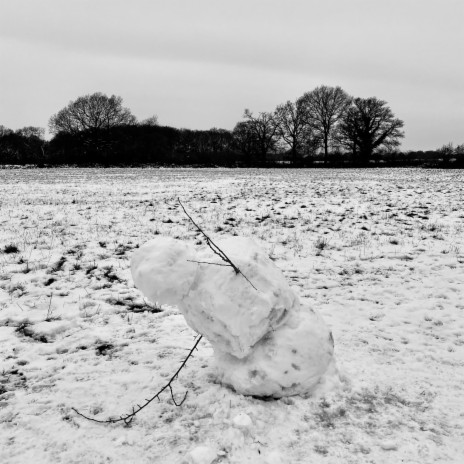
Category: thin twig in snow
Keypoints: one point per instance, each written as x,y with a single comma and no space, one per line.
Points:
216,250
128,418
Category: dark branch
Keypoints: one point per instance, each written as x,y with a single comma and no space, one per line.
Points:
206,262
128,418
216,250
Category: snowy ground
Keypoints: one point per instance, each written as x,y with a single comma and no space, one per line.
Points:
379,253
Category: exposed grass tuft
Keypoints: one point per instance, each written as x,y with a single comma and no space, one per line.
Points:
58,265
11,248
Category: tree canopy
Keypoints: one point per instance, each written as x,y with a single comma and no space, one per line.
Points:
95,111
324,127
296,132
369,124
324,108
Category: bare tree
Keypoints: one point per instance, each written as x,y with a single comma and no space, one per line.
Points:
459,153
4,131
264,132
151,121
368,125
324,107
244,138
294,129
220,140
31,131
446,152
26,145
96,111
8,151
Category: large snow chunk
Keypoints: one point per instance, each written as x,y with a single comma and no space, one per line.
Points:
162,269
289,361
263,343
230,312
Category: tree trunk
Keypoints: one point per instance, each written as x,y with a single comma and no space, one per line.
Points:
326,150
294,155
365,153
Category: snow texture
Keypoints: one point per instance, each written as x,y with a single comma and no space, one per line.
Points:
201,455
387,280
264,345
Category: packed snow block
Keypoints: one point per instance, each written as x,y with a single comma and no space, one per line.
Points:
163,271
293,360
231,312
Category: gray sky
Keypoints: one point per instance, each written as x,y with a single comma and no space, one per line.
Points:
200,63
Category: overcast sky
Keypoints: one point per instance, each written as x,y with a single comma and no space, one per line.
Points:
200,63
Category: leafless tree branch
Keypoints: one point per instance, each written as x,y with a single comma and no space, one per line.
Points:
128,418
215,249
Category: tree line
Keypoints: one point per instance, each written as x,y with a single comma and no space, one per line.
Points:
324,127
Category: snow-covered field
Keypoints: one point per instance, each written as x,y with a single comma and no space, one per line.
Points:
378,253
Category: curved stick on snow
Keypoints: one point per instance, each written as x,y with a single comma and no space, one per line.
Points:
128,418
216,250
